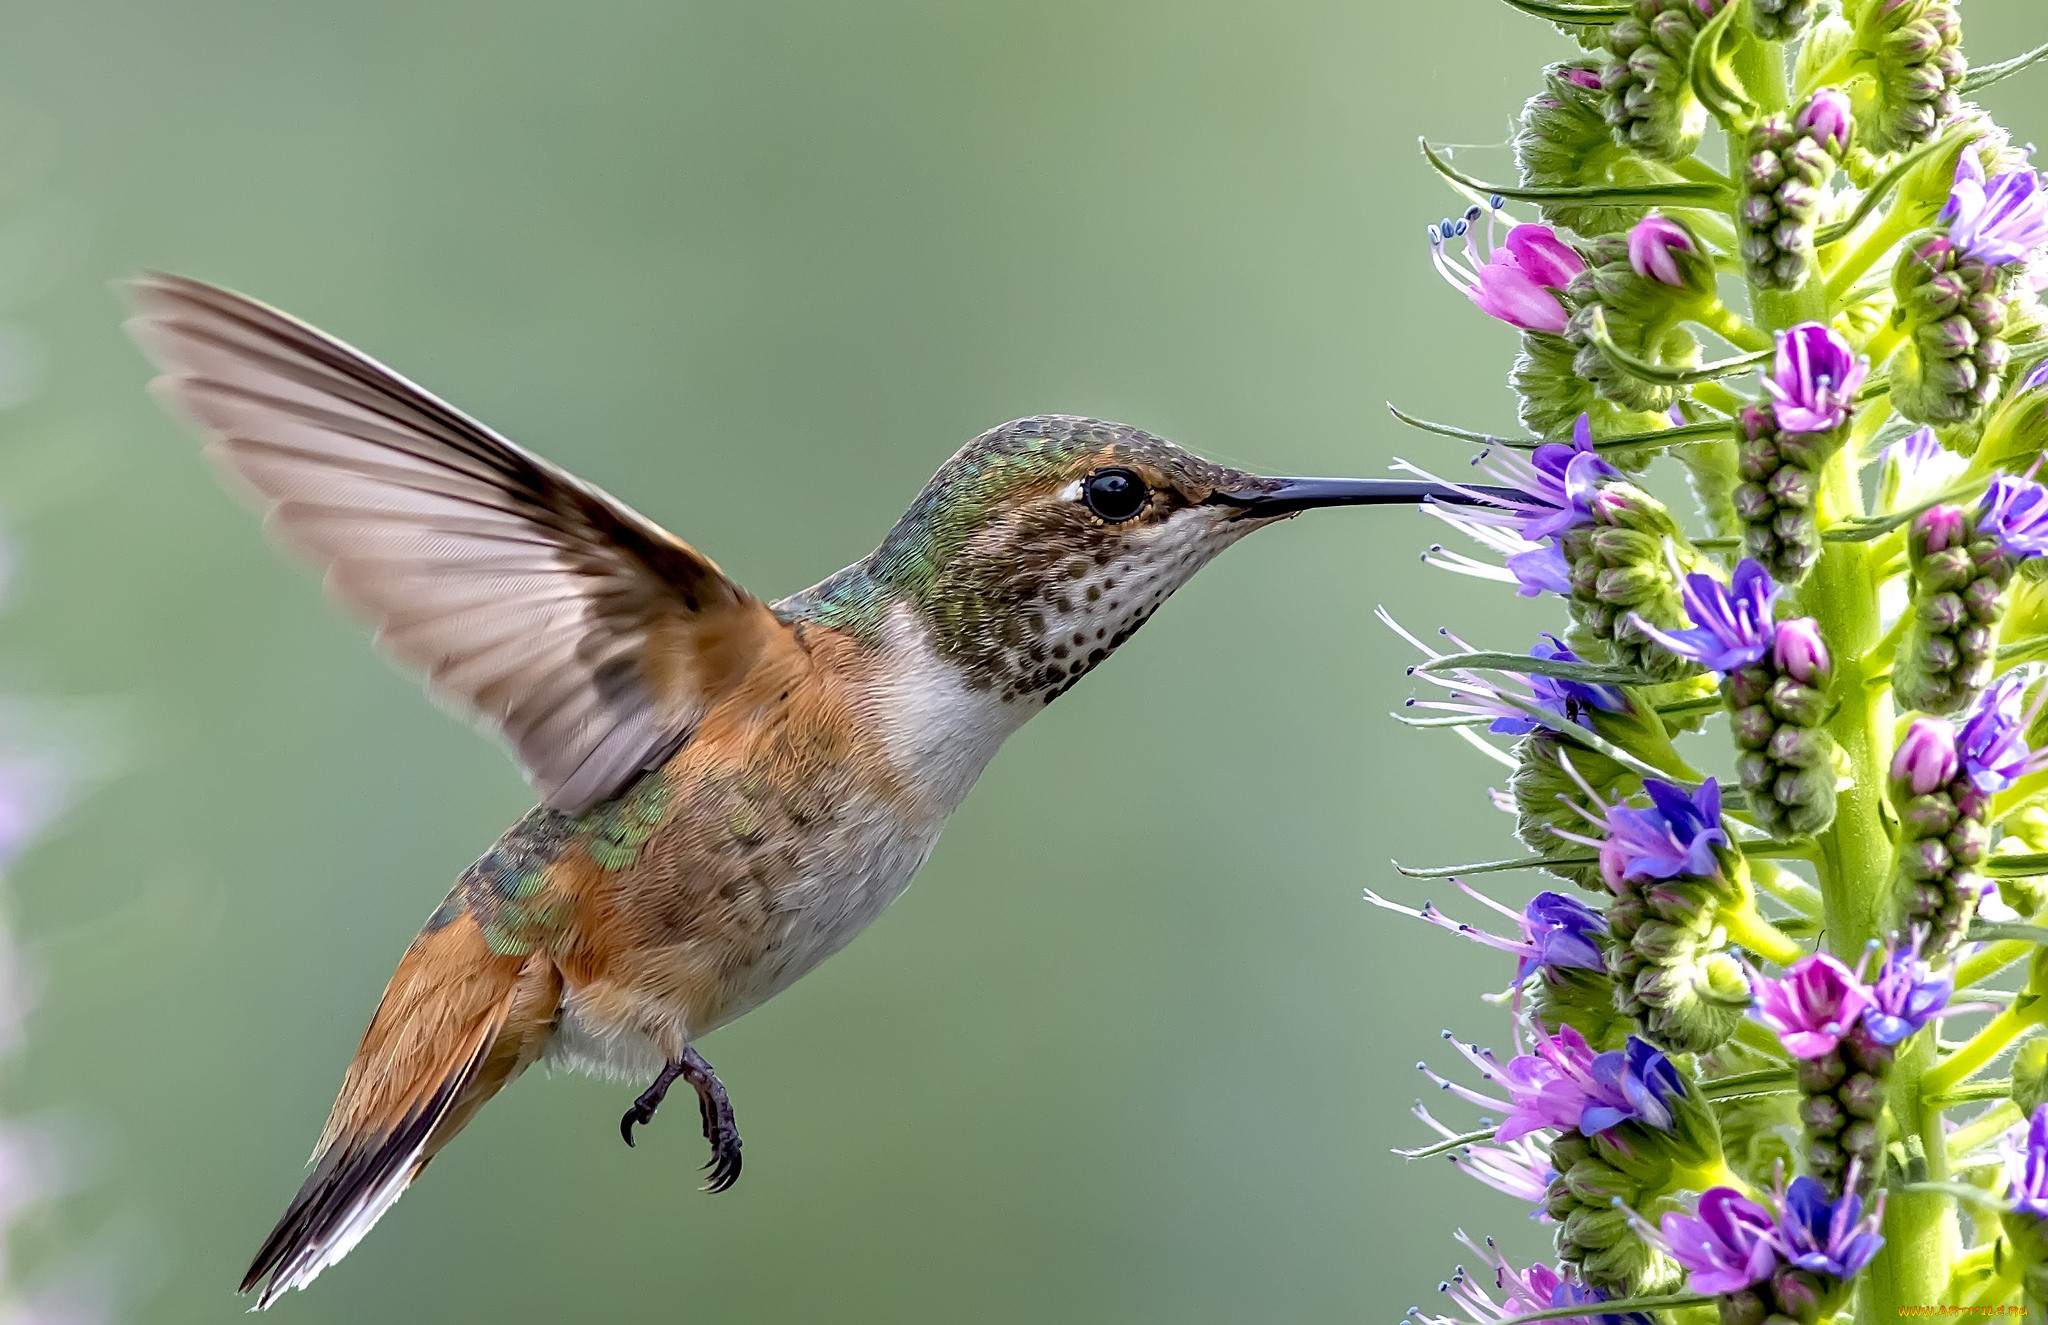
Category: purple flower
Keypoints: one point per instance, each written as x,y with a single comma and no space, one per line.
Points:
1634,1082
2036,379
1926,759
1570,700
1563,933
1537,1288
1515,282
1651,246
2026,1166
1815,378
1992,746
1813,1006
1585,78
1520,1169
1801,653
1675,836
1827,118
1906,996
1556,931
1827,1237
1556,483
2015,510
1918,468
1476,694
1549,1088
1733,623
2002,222
1727,1246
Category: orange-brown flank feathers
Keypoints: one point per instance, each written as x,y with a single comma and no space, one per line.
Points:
457,1022
591,638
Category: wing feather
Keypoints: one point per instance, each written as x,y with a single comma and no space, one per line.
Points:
529,599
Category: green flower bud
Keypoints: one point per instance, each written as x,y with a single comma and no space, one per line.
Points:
1780,473
1583,1000
1787,162
1541,790
1912,50
1954,309
1562,141
1650,104
1552,395
2030,1075
1746,1307
1659,339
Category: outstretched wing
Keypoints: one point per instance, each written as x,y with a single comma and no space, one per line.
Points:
585,633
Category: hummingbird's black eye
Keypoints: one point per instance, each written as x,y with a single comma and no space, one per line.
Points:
1114,494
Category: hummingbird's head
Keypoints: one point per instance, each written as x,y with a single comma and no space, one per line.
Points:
1043,544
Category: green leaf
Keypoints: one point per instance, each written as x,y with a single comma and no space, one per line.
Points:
1556,12
1688,432
1522,664
1713,80
1749,1082
1875,195
1494,866
1685,193
1983,931
1991,73
1596,332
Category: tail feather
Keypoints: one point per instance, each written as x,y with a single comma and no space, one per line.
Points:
456,1023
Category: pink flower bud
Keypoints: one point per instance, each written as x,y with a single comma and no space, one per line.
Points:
1585,78
1939,527
1801,653
1651,245
1548,260
1926,758
1827,118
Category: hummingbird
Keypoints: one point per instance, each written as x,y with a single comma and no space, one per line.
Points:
730,789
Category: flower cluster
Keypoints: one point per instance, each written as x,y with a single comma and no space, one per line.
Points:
1963,560
1792,1260
1942,783
1781,733
1786,441
1842,1035
1618,1125
1914,52
1787,163
1667,943
1650,104
1776,676
1957,285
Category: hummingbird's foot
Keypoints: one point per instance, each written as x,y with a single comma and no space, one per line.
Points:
650,1099
720,1129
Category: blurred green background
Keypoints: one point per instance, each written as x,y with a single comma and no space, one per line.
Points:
1133,1049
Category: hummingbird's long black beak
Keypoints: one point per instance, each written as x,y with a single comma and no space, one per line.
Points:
1275,497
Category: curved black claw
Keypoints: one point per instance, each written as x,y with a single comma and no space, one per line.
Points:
650,1099
720,1129
723,1168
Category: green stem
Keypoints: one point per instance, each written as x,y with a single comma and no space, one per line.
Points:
1759,935
1980,1049
1732,327
1921,1235
1786,886
1979,1130
1991,961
